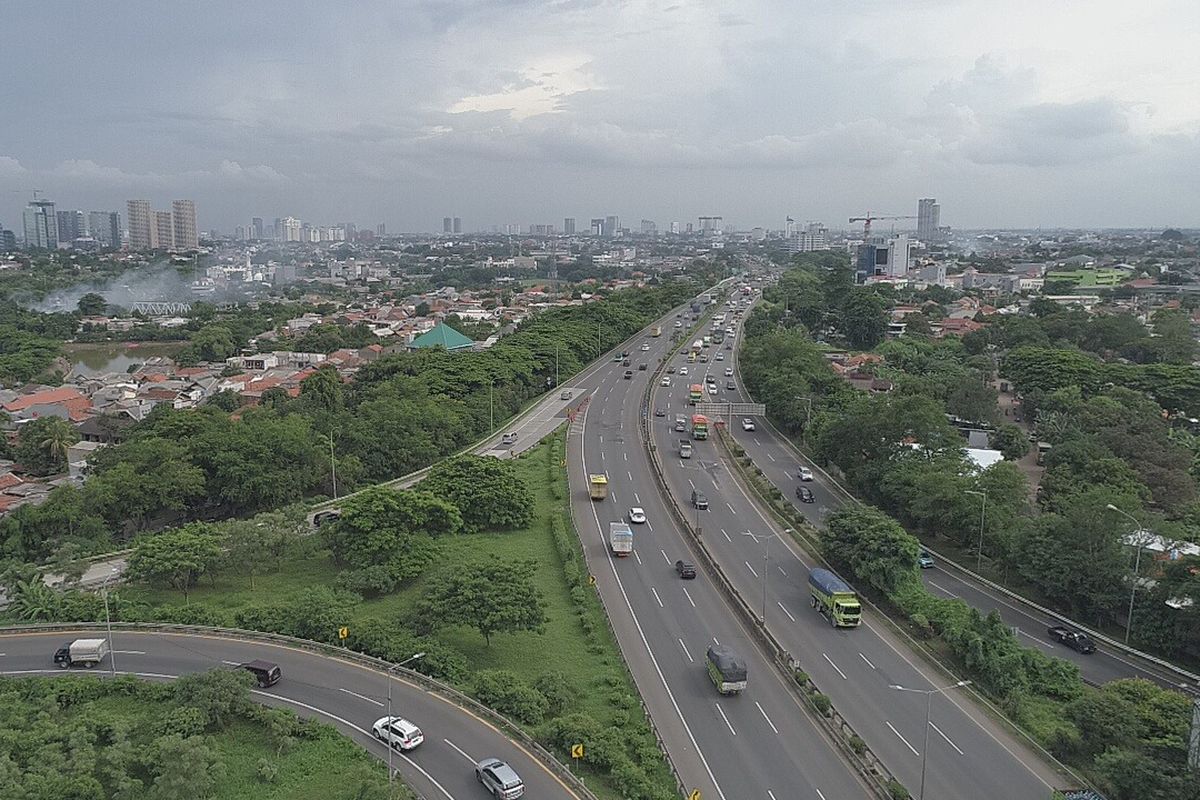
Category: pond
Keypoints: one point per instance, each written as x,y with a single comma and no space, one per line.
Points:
98,359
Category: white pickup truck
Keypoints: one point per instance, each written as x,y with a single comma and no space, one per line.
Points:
81,653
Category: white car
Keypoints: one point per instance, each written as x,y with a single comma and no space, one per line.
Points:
804,474
712,388
747,424
683,371
645,347
729,372
398,732
665,381
719,357
637,515
678,324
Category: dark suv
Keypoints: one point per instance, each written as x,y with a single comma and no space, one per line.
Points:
699,500
266,673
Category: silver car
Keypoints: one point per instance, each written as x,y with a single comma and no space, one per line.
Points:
500,779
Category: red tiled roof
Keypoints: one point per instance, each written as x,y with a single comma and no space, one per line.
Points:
8,480
63,394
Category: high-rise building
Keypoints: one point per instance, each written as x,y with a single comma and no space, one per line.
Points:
675,227
72,225
289,229
712,225
598,226
611,225
928,218
183,221
813,237
8,240
105,227
141,224
447,225
381,229
458,224
256,228
163,235
569,226
41,225
649,227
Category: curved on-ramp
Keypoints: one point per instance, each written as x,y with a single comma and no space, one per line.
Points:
346,689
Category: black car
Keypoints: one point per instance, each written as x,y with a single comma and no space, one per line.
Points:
699,500
642,367
658,412
628,374
685,570
804,494
1076,640
625,362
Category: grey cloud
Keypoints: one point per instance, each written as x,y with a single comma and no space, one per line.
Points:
1050,134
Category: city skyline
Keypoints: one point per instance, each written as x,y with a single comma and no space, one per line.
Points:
659,113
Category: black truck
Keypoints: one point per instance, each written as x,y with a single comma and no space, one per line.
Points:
1076,640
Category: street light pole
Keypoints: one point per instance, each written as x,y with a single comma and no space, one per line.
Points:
808,411
413,657
929,693
112,658
332,465
982,512
491,407
1137,563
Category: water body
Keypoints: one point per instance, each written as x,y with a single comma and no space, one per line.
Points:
99,359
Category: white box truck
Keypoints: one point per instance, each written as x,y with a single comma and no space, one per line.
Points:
620,539
81,653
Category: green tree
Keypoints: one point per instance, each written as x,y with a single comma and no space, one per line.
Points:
177,558
219,694
495,597
1011,441
43,444
214,342
92,305
184,769
864,318
872,545
489,492
34,601
1173,337
323,389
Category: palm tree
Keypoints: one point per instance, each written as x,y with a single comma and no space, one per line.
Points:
34,601
57,440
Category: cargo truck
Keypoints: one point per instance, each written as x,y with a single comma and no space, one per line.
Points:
620,539
598,486
656,331
699,426
726,669
833,597
685,448
81,653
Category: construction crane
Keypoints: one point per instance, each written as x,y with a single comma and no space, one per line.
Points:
869,218
36,192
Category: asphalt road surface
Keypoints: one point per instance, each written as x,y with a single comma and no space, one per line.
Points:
967,754
343,693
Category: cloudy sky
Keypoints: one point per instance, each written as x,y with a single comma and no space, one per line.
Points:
1015,113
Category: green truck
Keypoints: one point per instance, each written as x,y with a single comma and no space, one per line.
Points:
726,669
833,597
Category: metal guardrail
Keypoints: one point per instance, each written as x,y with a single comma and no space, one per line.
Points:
432,685
873,771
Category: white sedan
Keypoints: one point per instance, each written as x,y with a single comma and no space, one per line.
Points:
637,515
804,474
683,371
729,372
747,424
666,381
399,732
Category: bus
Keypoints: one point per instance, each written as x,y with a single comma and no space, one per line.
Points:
695,393
699,426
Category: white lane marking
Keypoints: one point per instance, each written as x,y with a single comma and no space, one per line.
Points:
942,589
685,651
726,535
731,509
770,794
718,644
630,474
635,555
350,724
689,596
864,658
835,666
461,752
649,527
747,563
613,495
768,719
102,672
693,485
361,696
131,652
784,610
626,456
818,791
656,597
947,738
664,552
231,663
770,456
601,455
784,571
910,747
722,713
637,499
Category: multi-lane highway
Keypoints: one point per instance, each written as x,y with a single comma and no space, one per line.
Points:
340,692
856,667
779,460
760,744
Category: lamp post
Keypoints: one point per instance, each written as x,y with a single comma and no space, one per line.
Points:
491,407
332,465
766,539
1137,563
808,411
929,693
413,657
112,658
982,511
